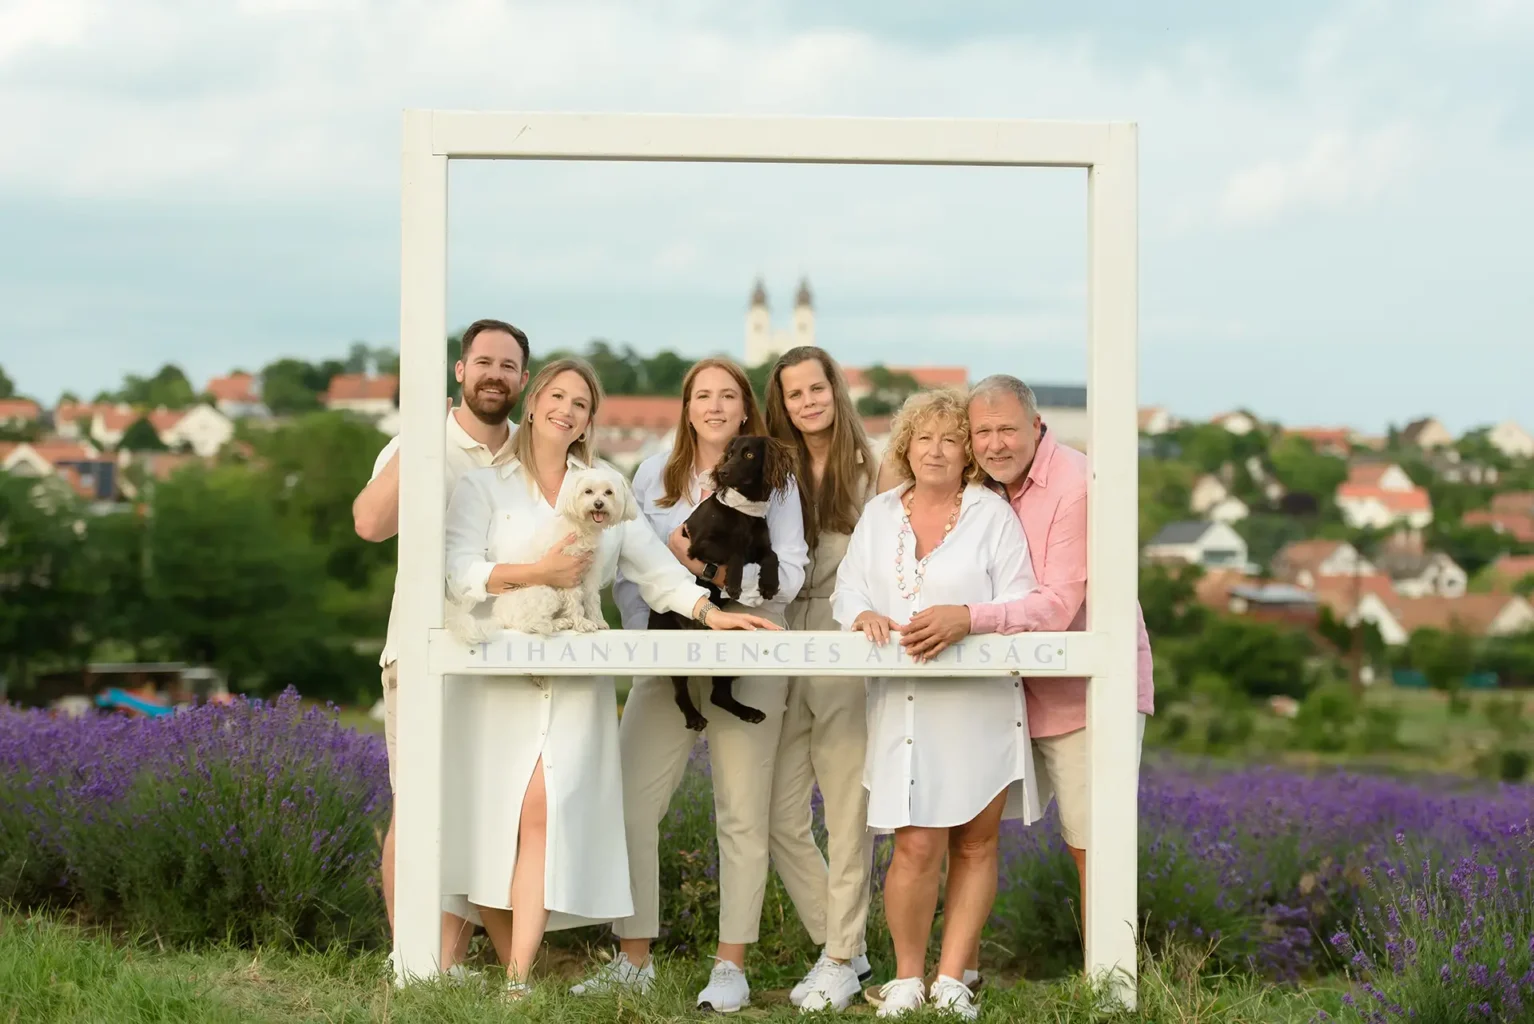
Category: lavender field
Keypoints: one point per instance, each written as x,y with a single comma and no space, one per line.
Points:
258,824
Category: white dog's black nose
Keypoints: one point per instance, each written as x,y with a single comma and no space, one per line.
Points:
597,504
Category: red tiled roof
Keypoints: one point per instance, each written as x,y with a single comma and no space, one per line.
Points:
1512,568
68,412
1339,592
1306,554
877,426
656,412
1368,474
1318,436
116,419
1473,613
19,409
164,419
925,376
237,387
1213,588
1519,527
1414,500
355,386
76,482
1517,502
55,450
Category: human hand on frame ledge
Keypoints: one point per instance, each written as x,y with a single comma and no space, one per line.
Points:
933,630
875,626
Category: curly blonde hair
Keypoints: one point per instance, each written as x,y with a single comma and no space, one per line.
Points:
949,404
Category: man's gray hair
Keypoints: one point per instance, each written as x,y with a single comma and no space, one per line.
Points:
1005,384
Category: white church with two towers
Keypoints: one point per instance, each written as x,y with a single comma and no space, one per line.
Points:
763,342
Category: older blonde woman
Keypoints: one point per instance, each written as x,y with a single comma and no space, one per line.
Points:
947,758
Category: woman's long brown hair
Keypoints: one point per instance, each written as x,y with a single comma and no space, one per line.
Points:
835,502
684,451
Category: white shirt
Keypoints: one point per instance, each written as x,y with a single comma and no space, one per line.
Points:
463,454
785,526
486,501
940,749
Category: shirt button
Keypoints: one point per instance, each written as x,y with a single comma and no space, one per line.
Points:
1019,725
911,697
545,695
908,739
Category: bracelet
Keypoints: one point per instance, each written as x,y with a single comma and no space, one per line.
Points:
704,612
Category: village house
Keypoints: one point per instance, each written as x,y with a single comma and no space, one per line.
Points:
1238,422
19,412
1452,468
1336,441
237,395
1510,514
1212,500
1378,495
1156,420
1509,570
1303,562
1414,572
79,464
373,397
1511,440
1212,545
1427,433
1479,615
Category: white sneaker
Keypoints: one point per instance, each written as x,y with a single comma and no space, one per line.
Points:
950,996
858,963
617,975
972,980
727,989
835,986
901,996
460,974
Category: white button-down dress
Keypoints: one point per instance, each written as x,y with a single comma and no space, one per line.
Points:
941,748
509,722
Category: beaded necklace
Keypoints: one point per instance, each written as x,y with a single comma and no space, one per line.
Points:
919,572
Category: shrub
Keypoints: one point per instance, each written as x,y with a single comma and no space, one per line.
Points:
253,822
1452,944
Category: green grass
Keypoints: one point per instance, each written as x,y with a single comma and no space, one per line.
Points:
52,972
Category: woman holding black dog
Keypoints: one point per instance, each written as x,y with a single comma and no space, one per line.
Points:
825,730
717,407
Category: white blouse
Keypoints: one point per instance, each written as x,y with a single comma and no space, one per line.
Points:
504,725
785,525
500,498
940,749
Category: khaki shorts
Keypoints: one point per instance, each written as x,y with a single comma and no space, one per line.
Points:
1063,762
391,712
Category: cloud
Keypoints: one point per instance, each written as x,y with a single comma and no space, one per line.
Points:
219,182
1336,169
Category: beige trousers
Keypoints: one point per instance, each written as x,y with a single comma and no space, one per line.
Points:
825,734
654,742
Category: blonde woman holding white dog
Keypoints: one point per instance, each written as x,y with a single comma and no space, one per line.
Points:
825,729
717,407
545,843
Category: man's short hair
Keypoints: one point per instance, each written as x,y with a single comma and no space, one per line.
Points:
479,327
1006,384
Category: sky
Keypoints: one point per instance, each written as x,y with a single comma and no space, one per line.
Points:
1334,200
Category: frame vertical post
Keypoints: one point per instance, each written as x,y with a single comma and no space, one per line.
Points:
423,437
1113,567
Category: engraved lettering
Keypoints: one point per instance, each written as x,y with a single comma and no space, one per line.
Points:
598,650
809,652
632,649
836,651
535,651
985,654
694,652
1044,654
568,654
1012,654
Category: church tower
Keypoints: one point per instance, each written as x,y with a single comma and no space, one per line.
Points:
759,346
804,315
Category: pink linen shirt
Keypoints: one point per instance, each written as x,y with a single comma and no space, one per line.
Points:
1052,506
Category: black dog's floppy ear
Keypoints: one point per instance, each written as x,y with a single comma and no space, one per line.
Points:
779,464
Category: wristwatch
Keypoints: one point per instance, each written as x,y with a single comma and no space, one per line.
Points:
710,570
704,612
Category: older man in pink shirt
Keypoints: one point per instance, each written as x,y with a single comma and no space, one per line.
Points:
1046,482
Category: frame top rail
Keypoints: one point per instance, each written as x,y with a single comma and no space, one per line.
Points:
805,140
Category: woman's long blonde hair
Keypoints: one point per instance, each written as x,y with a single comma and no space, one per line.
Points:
836,502
584,447
684,452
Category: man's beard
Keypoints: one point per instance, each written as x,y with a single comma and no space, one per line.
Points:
491,408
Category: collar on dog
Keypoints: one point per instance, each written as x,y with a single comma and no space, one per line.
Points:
733,498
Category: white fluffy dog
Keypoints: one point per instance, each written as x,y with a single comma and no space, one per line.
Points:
590,501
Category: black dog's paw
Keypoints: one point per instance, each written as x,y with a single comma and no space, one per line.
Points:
695,721
751,715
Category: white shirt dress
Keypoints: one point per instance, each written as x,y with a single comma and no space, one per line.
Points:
510,721
941,748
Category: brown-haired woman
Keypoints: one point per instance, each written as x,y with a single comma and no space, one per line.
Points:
825,731
717,407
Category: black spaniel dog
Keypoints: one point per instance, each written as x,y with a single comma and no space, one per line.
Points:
729,529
